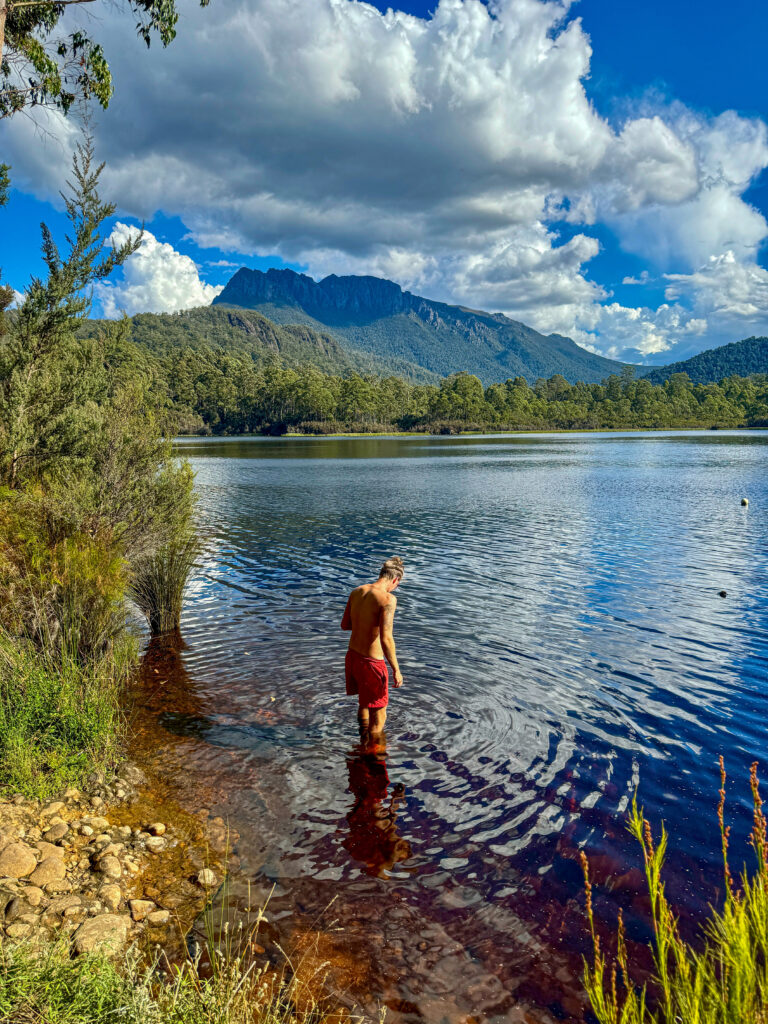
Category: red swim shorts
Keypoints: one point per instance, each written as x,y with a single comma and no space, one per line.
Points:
368,679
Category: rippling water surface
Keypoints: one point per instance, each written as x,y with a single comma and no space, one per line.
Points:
562,641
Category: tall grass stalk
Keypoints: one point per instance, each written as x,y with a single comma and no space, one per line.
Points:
721,980
158,582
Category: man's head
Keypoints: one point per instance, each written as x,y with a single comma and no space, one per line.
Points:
392,572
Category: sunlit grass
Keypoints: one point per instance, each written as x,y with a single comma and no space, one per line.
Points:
722,979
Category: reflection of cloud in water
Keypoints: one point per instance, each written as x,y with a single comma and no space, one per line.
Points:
559,631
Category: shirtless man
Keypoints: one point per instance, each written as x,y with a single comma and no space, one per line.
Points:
369,615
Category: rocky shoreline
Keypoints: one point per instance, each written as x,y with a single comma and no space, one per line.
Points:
107,867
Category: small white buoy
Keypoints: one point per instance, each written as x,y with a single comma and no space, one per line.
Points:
745,502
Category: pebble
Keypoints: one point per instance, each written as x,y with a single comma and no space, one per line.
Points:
157,828
86,830
55,808
34,896
140,909
158,917
72,794
57,832
207,878
97,823
49,850
155,844
125,832
111,896
20,930
110,867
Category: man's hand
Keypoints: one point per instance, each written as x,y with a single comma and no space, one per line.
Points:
398,679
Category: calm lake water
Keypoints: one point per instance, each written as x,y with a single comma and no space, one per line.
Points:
562,641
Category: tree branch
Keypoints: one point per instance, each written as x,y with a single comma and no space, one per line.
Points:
46,3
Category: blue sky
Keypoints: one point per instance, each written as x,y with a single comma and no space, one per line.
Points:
650,252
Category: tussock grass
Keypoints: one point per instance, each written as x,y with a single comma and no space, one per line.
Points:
59,718
159,580
45,985
724,978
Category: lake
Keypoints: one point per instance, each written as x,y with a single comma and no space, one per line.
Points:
563,643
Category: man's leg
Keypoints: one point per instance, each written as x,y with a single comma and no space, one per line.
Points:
378,717
363,719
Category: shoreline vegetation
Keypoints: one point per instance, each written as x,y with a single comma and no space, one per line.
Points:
97,521
207,392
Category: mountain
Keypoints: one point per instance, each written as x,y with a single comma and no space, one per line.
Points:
375,316
741,358
250,333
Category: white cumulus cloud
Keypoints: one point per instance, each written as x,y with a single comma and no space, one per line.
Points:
156,279
442,152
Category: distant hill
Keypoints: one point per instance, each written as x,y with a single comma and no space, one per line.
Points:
250,333
740,358
374,316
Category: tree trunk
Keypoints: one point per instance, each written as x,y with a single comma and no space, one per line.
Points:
3,12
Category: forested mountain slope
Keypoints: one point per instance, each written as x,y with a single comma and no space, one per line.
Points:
740,358
240,332
375,316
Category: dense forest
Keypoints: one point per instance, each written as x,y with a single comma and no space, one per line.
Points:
741,358
209,390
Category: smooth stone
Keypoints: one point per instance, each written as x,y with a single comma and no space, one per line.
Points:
140,909
158,917
97,823
157,828
17,861
111,896
72,794
16,909
104,931
124,831
33,895
49,871
48,850
75,914
110,867
56,832
207,878
155,844
20,930
63,886
86,830
111,850
55,808
62,903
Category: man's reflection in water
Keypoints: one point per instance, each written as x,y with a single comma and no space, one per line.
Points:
373,838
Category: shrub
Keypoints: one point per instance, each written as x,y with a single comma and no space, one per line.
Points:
158,582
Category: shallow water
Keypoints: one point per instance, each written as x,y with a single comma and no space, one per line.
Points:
562,641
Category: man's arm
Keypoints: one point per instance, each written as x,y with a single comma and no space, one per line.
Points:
388,640
346,619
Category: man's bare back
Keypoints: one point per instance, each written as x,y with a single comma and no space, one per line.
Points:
369,615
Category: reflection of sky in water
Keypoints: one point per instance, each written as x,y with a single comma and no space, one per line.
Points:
559,629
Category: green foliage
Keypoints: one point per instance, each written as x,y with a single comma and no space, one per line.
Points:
5,184
59,719
740,358
723,980
88,492
37,66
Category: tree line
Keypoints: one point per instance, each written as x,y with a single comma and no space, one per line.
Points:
211,391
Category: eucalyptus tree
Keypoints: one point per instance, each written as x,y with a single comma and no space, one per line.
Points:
39,64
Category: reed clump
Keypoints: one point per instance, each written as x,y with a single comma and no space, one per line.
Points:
721,980
159,580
